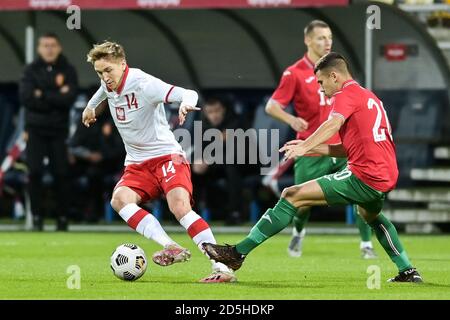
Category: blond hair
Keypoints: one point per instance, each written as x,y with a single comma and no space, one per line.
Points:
106,50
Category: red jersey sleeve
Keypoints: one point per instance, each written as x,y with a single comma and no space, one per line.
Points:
286,88
342,106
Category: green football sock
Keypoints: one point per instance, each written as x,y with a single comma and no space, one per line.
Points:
365,231
388,237
272,222
301,219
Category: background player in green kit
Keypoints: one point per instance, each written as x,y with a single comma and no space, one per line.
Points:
359,117
298,85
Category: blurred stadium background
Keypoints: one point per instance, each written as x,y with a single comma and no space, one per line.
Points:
238,50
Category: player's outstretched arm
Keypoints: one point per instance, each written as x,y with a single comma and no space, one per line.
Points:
322,149
98,101
188,101
88,116
157,91
90,113
322,134
184,110
275,110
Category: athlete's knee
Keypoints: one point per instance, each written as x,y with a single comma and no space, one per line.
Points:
298,196
291,193
370,217
117,203
366,215
120,199
179,206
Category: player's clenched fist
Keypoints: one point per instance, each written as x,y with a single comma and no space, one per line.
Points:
88,117
184,111
298,124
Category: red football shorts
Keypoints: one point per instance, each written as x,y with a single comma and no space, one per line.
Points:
157,176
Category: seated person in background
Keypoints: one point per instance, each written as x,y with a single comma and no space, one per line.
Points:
97,154
218,114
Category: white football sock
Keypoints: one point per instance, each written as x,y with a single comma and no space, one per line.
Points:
145,224
365,244
199,230
300,234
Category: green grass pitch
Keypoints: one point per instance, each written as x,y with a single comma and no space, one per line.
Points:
34,266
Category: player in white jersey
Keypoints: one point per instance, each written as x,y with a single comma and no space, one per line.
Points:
155,163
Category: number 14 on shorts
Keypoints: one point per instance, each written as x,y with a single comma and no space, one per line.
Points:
168,167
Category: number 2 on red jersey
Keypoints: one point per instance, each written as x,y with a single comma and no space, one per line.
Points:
379,134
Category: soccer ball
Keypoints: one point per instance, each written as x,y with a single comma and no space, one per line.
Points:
128,262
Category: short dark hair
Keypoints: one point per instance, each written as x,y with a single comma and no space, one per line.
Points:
315,24
50,35
332,60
